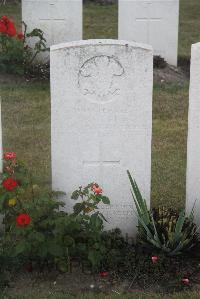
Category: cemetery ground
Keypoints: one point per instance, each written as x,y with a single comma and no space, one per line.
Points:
26,130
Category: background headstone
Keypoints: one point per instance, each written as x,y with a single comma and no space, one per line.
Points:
154,22
101,107
193,149
61,20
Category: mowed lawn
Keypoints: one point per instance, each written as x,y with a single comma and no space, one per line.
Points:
186,295
26,109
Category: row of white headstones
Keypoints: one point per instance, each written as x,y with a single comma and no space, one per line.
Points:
101,123
154,22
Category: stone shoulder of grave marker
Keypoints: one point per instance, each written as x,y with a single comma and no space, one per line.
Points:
91,42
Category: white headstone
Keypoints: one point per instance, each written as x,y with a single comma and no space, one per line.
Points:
101,101
193,148
154,22
60,20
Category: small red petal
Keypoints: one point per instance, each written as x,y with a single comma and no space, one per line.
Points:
104,274
154,259
185,281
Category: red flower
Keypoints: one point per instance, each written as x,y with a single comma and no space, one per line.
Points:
11,31
96,189
104,274
154,259
20,35
9,155
7,26
3,28
23,219
9,184
185,281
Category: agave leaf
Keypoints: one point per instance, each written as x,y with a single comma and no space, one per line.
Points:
136,191
149,233
177,249
153,242
179,226
141,203
137,205
191,216
150,237
156,237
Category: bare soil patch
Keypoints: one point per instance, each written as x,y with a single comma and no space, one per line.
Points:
171,75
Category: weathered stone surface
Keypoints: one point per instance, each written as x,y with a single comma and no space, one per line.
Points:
101,107
154,22
193,149
61,20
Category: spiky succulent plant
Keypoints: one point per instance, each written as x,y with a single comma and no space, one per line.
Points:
163,228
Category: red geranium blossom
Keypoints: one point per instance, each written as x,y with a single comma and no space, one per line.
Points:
9,184
96,189
7,26
20,35
9,155
185,281
23,219
104,274
3,28
154,259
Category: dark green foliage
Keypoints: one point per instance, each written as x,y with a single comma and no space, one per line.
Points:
17,57
119,255
53,236
159,62
89,239
163,229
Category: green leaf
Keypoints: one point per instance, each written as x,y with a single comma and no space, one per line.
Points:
75,195
19,248
78,208
94,257
55,249
140,203
105,200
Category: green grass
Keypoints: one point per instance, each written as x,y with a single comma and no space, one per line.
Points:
100,21
170,108
186,295
189,31
26,125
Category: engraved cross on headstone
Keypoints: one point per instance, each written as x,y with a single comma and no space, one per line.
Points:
102,164
149,20
50,12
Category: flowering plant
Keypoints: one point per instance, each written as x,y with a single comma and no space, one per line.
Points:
90,196
90,239
37,231
30,214
16,56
